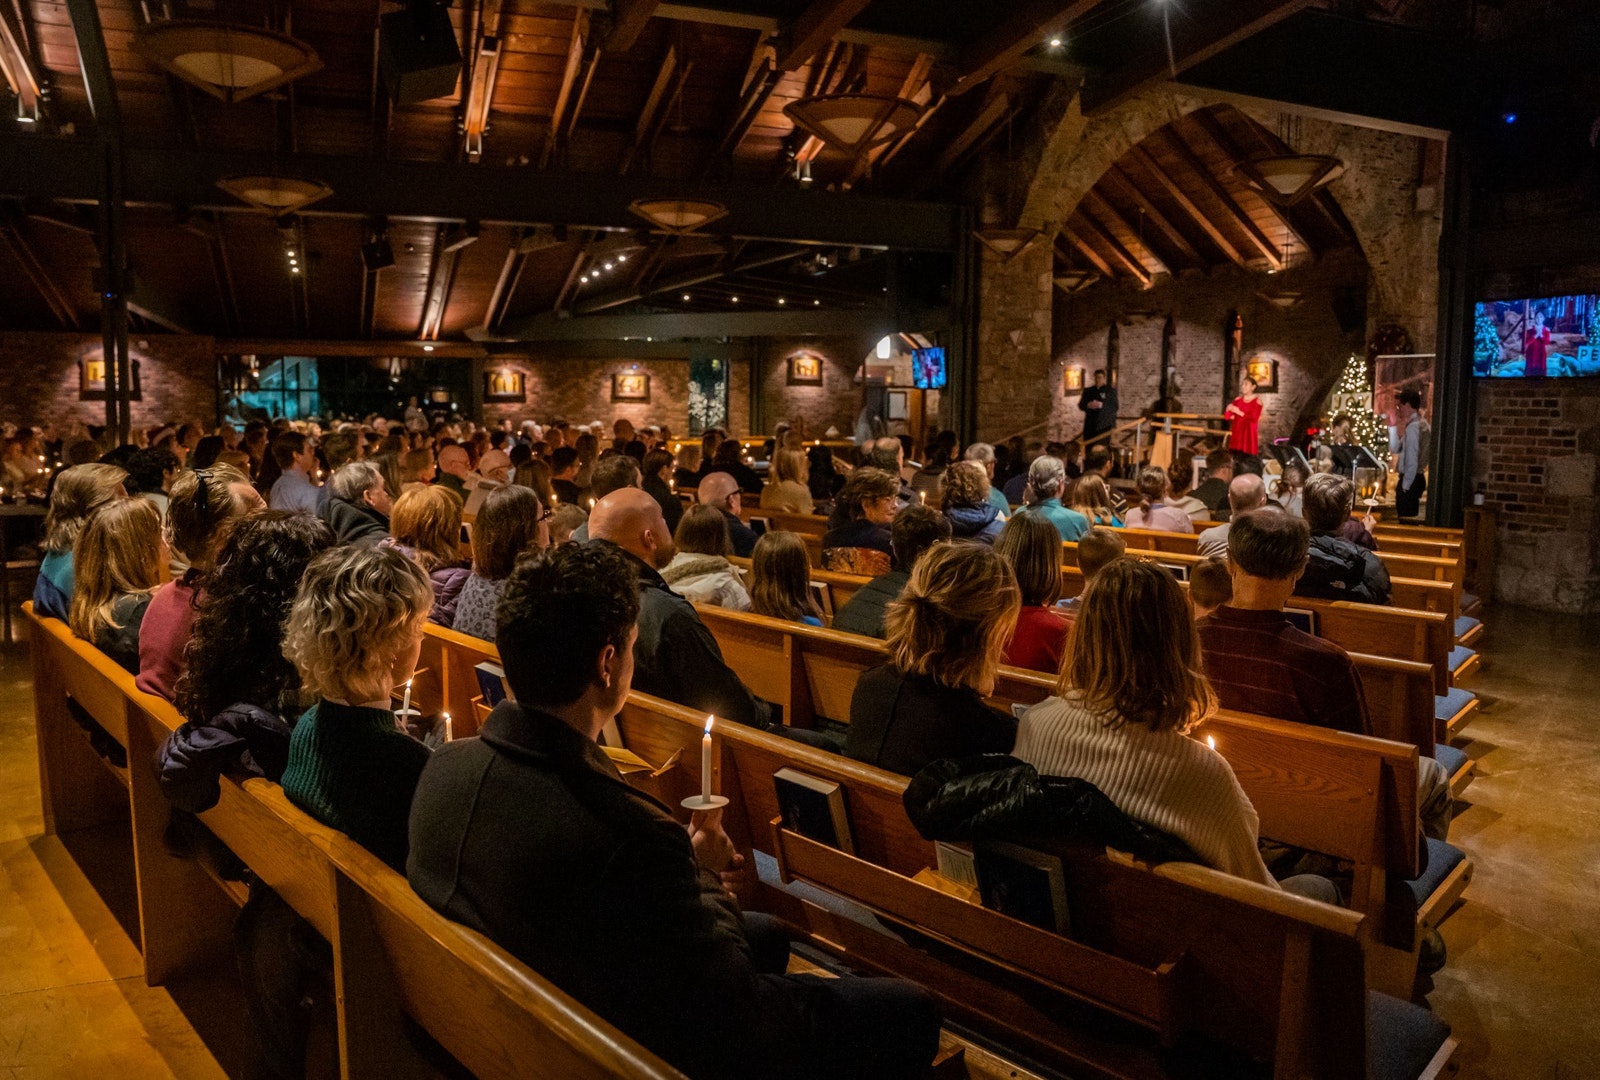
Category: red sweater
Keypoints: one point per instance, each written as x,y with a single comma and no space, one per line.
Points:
1258,662
1040,639
163,637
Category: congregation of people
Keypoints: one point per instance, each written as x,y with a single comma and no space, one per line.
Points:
275,581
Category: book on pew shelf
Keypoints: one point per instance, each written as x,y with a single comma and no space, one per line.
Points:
1302,619
954,861
492,683
814,808
1024,884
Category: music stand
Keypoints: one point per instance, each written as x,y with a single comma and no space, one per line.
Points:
1285,452
1352,456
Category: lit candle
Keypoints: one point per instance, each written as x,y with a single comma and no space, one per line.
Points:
591,502
554,498
923,495
405,702
449,728
1211,741
705,763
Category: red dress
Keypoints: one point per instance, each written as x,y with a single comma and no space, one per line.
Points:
1242,434
1534,344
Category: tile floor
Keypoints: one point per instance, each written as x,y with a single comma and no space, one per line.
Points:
1522,987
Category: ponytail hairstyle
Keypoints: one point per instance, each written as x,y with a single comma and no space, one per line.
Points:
780,584
1047,478
200,503
955,616
117,553
1153,487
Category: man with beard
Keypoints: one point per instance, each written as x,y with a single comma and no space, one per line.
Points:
675,656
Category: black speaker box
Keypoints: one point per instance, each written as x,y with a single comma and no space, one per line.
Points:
418,54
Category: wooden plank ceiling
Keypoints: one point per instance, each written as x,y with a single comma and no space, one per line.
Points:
610,89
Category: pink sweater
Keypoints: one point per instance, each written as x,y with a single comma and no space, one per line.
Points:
163,637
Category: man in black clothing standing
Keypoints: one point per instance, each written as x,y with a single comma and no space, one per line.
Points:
529,835
1099,406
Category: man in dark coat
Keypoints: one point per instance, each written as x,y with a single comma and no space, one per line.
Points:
529,835
676,657
1098,404
721,490
358,508
1339,569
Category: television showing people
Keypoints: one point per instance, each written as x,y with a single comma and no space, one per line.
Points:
1548,337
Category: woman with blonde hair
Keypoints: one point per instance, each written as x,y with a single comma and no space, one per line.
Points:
788,483
118,566
78,492
1155,509
1130,689
354,633
426,525
700,571
1092,498
1033,548
964,500
780,579
946,635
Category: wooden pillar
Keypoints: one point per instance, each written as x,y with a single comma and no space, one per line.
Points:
1451,412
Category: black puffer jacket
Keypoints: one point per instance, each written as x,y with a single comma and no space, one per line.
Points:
997,797
1341,570
192,760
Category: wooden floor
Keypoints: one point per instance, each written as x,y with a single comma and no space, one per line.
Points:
1521,987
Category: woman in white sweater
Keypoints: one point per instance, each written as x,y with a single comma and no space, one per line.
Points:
1130,688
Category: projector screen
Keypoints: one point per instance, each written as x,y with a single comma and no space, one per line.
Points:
1549,337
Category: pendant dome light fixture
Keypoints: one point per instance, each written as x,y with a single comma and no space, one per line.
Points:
276,195
854,123
229,61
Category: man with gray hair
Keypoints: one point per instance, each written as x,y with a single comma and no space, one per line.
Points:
358,504
1246,492
981,453
889,454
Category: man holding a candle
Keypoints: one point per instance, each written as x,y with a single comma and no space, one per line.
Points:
531,836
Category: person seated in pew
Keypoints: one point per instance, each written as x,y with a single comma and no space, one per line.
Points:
964,500
1246,492
78,492
946,634
117,563
720,491
354,633
426,527
1338,569
982,454
700,571
1214,490
780,580
1155,509
788,487
530,836
889,454
565,523
657,483
1258,662
511,522
1047,484
1210,586
914,531
675,656
1181,476
200,509
729,460
1091,498
610,474
1129,690
687,469
857,540
1097,550
1033,548
358,505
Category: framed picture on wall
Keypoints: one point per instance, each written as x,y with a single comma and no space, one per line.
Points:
504,384
1072,379
1264,370
805,369
439,395
899,405
92,377
630,386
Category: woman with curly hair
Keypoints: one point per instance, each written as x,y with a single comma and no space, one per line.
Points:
857,540
964,500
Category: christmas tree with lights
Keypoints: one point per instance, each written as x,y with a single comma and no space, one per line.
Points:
1353,397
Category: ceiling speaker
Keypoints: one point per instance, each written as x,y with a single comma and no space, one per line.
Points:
418,53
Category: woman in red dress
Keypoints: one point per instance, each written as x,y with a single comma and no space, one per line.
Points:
1245,412
1535,342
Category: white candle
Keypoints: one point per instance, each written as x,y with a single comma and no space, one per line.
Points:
1211,741
405,703
591,504
924,496
449,728
705,763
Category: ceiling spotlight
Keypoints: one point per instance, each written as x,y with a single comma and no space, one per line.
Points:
816,303
685,298
781,300
291,253
622,258
1055,43
608,266
427,348
735,299
294,269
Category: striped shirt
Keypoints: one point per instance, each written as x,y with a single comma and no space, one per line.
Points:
1162,778
1258,662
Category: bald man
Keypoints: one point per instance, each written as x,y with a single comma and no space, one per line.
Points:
721,490
675,657
454,466
1246,492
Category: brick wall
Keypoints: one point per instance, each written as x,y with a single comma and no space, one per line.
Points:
1536,449
39,379
835,402
579,390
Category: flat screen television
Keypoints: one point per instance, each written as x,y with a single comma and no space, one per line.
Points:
927,368
1547,337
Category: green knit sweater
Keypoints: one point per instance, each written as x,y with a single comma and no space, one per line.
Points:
352,770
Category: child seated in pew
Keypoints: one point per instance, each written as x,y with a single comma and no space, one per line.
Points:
1130,689
530,836
915,530
117,564
700,571
1092,498
1339,569
1156,509
1031,545
1210,586
1098,549
354,633
78,492
780,579
946,634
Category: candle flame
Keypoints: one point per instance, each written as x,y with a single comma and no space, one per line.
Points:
1211,741
709,721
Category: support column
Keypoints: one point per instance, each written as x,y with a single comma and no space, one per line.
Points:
961,344
1451,413
1016,389
112,283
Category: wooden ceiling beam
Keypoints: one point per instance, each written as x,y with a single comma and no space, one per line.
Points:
1010,41
689,280
1142,155
915,87
652,104
1081,246
95,64
569,79
17,62
724,324
628,20
1119,252
1175,140
222,274
813,29
1099,212
751,102
1191,42
37,274
1154,216
1217,134
992,113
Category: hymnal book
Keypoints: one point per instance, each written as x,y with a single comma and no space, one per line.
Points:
1024,884
1302,619
1178,570
814,808
492,683
955,862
